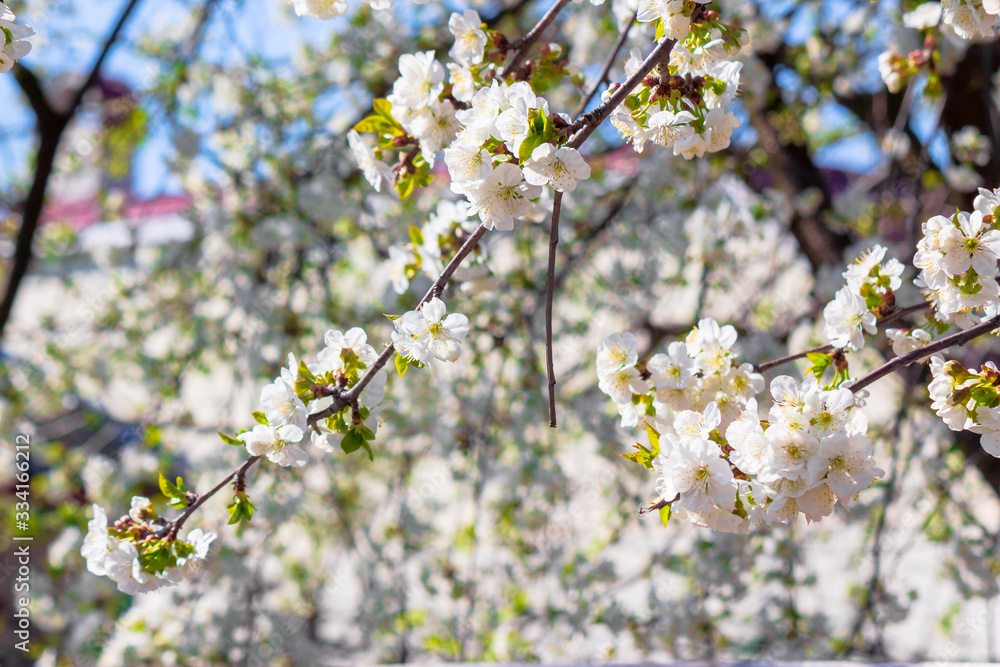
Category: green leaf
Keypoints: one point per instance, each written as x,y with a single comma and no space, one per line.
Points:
241,509
352,442
402,364
376,124
643,456
665,514
305,373
259,417
405,186
416,237
368,448
168,489
654,439
659,35
528,146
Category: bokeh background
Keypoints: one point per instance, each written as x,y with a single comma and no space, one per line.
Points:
203,217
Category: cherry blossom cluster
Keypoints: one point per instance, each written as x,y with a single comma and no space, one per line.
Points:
137,553
869,293
140,551
717,463
700,370
957,258
968,400
686,104
500,142
13,47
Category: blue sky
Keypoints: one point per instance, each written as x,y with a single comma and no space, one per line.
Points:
68,41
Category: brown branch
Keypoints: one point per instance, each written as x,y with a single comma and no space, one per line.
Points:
550,277
525,43
50,130
586,124
768,365
619,43
351,396
888,319
960,338
240,473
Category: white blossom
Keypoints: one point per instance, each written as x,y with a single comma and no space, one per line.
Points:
277,444
561,168
430,332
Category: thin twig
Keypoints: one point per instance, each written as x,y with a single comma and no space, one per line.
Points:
351,396
588,122
768,365
888,319
524,45
51,125
619,43
174,526
960,338
549,289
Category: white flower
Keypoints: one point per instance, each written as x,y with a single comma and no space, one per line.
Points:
616,353
201,541
320,9
971,244
845,463
420,83
98,542
967,18
671,370
13,48
141,506
696,470
789,451
463,83
560,168
926,15
354,342
281,404
987,201
470,40
719,126
988,425
889,70
469,165
846,316
277,444
400,261
501,197
375,171
746,437
710,344
666,127
430,332
904,342
691,425
435,128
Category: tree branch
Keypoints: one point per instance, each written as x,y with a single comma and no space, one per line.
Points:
619,43
513,66
50,130
550,280
174,526
586,124
960,338
888,319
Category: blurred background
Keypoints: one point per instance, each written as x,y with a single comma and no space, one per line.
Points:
195,214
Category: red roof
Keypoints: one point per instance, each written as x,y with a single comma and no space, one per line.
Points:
84,212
